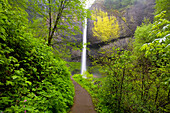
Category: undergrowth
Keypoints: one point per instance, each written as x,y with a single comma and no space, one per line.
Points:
32,78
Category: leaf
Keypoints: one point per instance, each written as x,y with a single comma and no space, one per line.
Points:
35,69
144,47
28,82
18,72
1,83
16,65
9,83
14,77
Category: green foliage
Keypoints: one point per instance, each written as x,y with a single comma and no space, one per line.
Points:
142,36
157,52
75,67
32,78
128,86
39,28
112,91
163,5
82,81
137,81
154,61
62,16
53,18
105,27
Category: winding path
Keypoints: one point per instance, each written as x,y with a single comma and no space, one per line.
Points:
82,100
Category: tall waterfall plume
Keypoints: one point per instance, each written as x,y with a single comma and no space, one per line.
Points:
83,65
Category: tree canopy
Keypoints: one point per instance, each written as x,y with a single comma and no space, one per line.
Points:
105,27
60,16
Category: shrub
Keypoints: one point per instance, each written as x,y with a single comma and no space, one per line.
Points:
32,78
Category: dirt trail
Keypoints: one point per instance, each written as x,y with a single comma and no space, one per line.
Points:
82,100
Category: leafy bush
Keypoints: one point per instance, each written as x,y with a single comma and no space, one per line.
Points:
84,82
75,67
32,78
157,52
127,86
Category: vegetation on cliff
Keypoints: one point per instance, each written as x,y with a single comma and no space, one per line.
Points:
105,27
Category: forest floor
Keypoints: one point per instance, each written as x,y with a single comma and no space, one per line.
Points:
82,100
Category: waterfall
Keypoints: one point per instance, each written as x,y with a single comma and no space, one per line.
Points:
83,58
83,65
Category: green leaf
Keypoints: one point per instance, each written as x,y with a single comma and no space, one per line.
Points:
9,83
18,72
1,83
35,69
14,77
28,82
16,65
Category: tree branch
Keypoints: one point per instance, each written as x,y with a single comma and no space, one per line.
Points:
56,22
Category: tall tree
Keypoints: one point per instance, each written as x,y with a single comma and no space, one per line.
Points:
59,15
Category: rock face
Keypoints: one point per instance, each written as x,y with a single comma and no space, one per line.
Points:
134,15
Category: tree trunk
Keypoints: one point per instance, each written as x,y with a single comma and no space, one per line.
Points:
169,95
121,88
156,97
49,1
62,6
